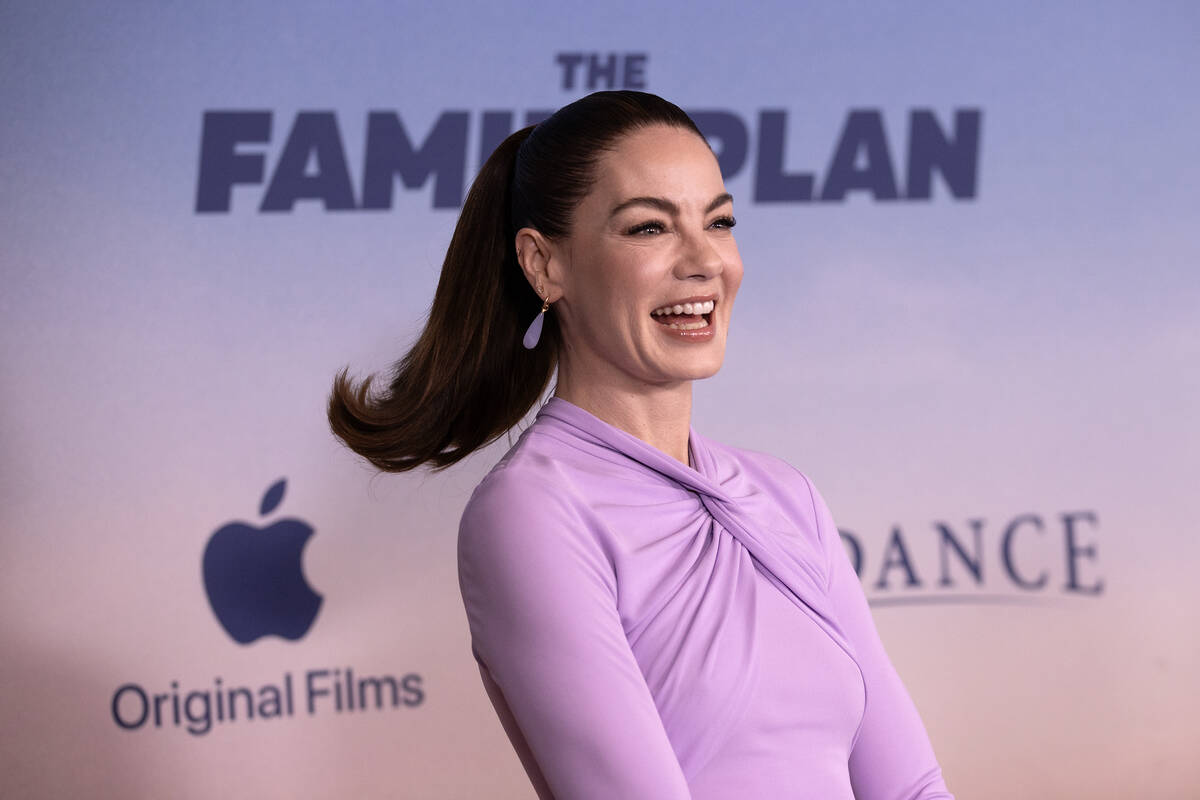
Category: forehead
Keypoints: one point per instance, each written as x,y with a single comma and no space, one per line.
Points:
662,161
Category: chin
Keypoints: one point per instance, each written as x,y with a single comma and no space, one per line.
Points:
699,372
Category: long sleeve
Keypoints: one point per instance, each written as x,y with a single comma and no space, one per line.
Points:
892,757
540,596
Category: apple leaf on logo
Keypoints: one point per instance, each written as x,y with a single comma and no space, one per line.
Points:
273,497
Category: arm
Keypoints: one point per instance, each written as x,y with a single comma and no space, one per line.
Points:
540,596
892,758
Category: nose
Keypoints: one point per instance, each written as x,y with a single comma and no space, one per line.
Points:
699,258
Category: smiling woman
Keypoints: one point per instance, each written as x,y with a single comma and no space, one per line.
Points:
650,242
654,614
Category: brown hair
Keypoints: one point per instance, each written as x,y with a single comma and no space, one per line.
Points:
468,379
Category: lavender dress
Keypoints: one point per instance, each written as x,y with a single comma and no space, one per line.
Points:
649,630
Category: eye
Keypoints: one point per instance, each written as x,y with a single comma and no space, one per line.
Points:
650,227
724,222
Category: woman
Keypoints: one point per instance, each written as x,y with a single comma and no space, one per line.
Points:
654,614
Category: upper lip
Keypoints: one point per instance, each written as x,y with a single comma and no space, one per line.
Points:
698,298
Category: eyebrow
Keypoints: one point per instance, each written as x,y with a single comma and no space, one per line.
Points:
665,205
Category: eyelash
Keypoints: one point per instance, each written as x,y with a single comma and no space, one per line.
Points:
725,222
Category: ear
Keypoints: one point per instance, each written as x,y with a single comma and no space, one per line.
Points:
539,260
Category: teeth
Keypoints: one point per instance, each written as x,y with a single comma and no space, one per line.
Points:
688,326
686,308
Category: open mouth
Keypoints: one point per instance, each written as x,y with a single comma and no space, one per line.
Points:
687,316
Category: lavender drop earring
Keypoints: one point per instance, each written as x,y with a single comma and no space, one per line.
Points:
533,334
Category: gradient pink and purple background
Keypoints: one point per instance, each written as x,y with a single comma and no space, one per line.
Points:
1033,350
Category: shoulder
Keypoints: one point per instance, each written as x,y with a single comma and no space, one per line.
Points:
528,502
527,478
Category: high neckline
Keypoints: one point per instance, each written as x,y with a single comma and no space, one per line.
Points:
699,472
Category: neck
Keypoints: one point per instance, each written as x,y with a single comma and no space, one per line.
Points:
660,416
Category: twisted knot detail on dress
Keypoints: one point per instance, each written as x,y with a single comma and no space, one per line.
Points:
649,629
735,507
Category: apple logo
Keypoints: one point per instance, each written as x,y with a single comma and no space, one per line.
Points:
254,579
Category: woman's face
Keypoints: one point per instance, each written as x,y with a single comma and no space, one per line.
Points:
653,238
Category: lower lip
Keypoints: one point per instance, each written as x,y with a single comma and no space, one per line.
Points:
695,335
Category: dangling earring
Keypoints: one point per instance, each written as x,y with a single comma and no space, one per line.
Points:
534,333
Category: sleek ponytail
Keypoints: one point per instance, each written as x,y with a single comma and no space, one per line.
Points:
468,379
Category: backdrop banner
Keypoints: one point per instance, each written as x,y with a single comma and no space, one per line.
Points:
970,313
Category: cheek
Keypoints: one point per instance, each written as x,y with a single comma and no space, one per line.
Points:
627,284
608,313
